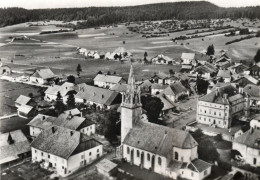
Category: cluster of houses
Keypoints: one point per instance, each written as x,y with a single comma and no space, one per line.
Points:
118,54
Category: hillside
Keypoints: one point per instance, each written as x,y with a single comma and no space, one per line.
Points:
96,16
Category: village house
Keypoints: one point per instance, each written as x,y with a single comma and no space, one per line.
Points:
206,71
167,104
64,150
42,76
223,62
175,92
142,149
245,80
64,89
162,59
106,167
188,58
254,70
225,75
158,88
252,98
99,97
121,88
42,122
159,78
13,146
238,68
219,107
74,112
107,81
248,144
26,107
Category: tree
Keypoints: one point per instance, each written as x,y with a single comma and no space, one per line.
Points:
111,129
71,79
71,101
257,56
210,50
30,95
145,55
171,72
59,105
202,85
153,105
79,69
99,72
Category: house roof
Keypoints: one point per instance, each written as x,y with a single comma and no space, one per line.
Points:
25,108
63,89
159,86
64,120
199,165
10,151
162,57
188,56
106,165
43,73
224,57
224,73
22,100
96,94
119,50
251,138
62,142
166,103
166,138
160,75
108,78
252,90
175,89
73,112
186,66
119,88
217,96
204,69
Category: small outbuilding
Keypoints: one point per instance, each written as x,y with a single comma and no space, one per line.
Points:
106,167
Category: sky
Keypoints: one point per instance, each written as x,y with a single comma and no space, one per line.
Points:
39,4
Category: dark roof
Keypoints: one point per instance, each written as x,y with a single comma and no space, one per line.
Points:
217,96
252,90
251,138
207,68
159,86
20,145
62,142
96,94
175,89
141,137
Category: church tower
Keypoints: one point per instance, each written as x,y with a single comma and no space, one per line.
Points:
131,107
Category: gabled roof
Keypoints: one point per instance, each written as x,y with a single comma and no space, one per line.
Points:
108,78
43,73
199,165
205,69
175,89
160,75
10,151
224,57
252,90
224,73
119,88
25,108
62,142
166,138
162,57
73,112
63,89
159,86
188,56
64,120
251,138
22,100
96,94
217,96
166,103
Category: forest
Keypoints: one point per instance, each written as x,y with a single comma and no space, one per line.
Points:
96,16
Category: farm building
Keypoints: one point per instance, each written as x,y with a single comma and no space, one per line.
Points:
65,150
223,62
99,97
158,88
121,88
106,167
160,78
26,107
206,70
14,145
252,98
162,59
188,59
42,122
225,75
107,81
254,70
175,91
42,76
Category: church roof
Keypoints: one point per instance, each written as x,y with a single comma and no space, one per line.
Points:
143,137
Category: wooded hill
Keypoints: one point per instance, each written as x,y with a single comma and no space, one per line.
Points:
96,16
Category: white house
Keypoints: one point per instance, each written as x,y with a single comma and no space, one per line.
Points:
162,59
42,76
225,75
188,58
108,81
64,150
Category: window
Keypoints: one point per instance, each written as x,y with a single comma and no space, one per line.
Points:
90,153
159,160
128,150
148,157
82,156
62,167
214,113
49,156
205,111
97,150
42,153
176,155
254,161
191,174
137,153
181,158
35,151
219,114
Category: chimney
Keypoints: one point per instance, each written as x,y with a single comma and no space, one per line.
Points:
53,129
70,115
71,133
102,96
43,117
10,139
225,96
80,114
94,94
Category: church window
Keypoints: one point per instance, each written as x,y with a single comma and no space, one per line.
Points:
148,157
137,153
128,150
159,160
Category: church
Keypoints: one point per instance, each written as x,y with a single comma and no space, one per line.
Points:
163,150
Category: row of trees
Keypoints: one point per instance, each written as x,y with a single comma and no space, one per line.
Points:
97,16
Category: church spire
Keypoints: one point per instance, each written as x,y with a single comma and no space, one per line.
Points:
133,94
